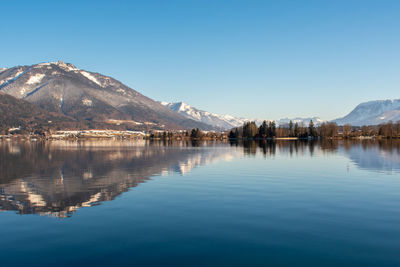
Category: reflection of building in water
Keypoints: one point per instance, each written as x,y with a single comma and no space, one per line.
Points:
57,178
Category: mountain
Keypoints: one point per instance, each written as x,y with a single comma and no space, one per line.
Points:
16,113
22,115
372,113
227,121
298,120
221,121
89,97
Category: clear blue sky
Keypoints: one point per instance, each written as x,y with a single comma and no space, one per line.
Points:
260,59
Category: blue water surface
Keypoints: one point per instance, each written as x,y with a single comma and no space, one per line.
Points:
118,203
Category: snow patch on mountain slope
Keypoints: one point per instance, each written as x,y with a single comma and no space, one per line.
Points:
22,91
12,78
65,66
45,64
87,102
122,91
35,79
90,77
69,67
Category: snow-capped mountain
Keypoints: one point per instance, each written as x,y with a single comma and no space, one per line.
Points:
227,121
221,121
301,121
88,97
373,113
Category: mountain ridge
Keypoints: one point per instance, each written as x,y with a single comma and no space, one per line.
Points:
92,98
88,96
372,113
227,121
221,121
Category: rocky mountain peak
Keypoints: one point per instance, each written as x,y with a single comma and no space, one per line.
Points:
90,97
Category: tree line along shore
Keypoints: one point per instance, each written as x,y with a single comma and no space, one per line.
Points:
269,130
249,131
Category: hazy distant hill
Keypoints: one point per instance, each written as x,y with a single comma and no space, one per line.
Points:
301,121
89,97
372,113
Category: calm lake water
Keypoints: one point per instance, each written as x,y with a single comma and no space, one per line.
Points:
110,203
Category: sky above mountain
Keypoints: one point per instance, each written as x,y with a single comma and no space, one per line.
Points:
259,59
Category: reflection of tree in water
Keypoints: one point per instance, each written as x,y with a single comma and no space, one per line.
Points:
267,147
329,145
249,148
270,147
372,154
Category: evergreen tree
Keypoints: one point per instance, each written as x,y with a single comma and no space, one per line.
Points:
273,129
250,129
232,134
269,130
196,133
290,128
296,130
262,131
311,129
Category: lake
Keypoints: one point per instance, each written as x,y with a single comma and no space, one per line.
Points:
111,203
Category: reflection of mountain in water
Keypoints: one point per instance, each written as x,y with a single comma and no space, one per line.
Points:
58,178
375,155
381,156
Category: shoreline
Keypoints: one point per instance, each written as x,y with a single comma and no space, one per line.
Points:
129,136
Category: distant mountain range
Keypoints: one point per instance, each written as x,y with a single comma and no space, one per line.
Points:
368,113
88,98
301,121
221,121
59,94
372,113
227,121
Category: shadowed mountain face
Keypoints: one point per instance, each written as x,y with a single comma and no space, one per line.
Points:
58,178
16,112
86,96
